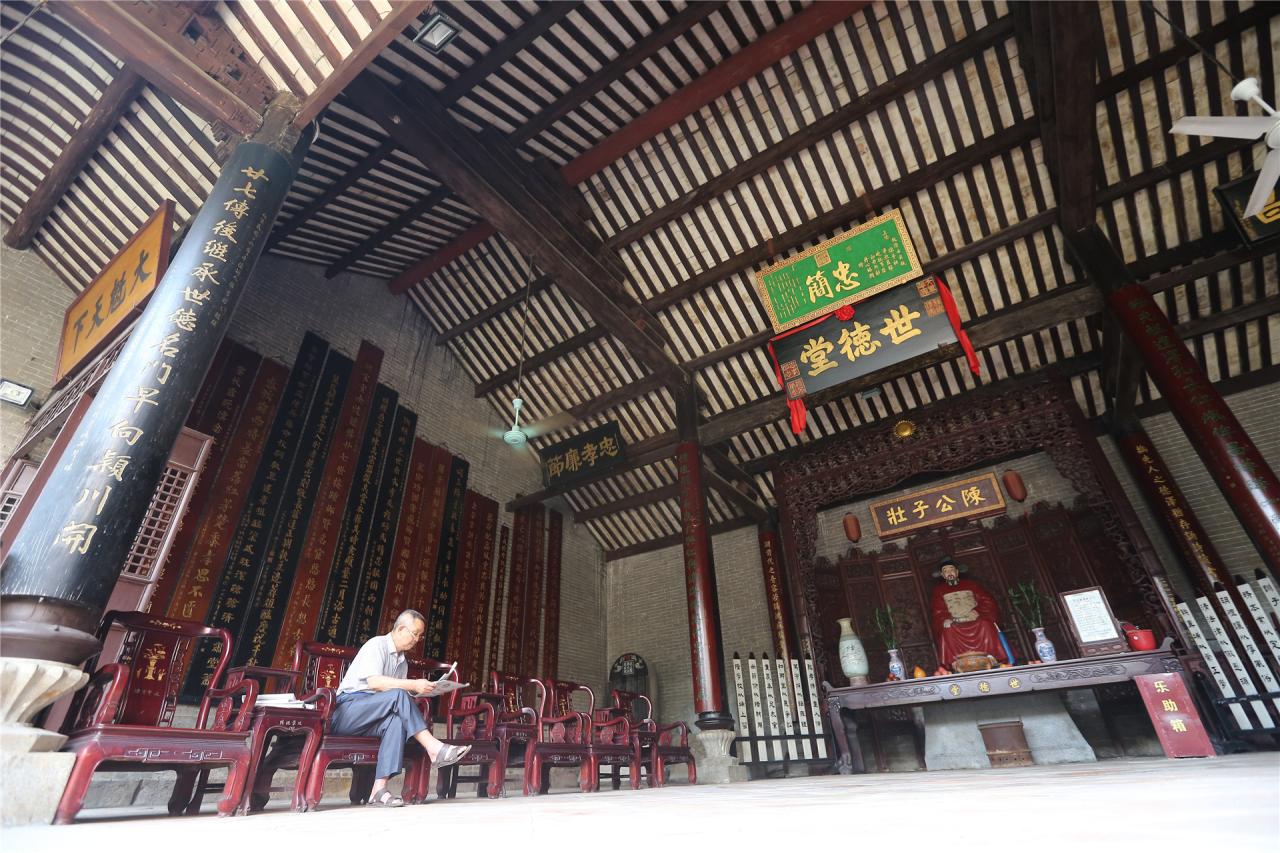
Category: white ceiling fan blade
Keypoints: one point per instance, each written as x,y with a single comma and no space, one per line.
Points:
555,422
1235,127
1266,184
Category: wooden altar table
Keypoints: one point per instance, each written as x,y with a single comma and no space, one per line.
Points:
1062,675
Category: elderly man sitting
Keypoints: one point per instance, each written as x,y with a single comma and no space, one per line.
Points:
376,700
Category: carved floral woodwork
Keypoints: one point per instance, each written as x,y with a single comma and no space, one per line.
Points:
986,426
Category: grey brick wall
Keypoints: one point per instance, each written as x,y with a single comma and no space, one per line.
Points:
648,615
33,301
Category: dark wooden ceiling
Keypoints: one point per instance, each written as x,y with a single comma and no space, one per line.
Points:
938,110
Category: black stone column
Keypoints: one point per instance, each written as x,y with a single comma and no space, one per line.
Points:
64,562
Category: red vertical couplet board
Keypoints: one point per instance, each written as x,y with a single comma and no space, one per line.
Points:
194,588
551,622
499,599
464,583
217,409
405,558
534,589
312,574
516,592
437,488
1178,724
478,624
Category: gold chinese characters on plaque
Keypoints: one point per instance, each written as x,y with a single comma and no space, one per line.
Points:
975,497
117,295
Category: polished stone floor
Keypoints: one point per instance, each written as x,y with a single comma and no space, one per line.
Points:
1226,805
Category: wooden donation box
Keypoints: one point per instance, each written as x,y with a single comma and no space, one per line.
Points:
1174,715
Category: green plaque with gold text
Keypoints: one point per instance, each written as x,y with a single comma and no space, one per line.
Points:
848,268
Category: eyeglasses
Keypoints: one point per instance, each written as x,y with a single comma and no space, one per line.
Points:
417,635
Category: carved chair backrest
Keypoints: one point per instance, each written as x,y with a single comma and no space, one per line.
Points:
560,698
324,664
636,706
517,692
157,653
321,664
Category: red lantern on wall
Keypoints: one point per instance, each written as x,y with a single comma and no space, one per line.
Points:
1013,485
852,527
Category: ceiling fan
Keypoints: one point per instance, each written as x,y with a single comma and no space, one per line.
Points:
518,436
1244,127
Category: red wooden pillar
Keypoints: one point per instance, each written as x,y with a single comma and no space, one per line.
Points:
699,571
1171,508
1246,480
775,590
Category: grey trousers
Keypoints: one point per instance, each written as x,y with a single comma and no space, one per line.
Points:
389,714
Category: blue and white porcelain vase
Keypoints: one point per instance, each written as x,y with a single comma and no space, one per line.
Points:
896,667
1044,648
853,657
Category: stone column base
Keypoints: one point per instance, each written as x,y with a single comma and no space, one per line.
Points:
31,785
32,775
715,765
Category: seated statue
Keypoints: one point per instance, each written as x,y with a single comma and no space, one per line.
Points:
964,618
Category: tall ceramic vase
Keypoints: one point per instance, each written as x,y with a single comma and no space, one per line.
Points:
896,668
853,657
1044,647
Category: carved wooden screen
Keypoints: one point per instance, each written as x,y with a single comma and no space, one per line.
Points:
159,527
161,523
19,476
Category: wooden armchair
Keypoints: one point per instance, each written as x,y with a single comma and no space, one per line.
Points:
658,746
498,725
563,738
609,735
323,665
317,672
124,716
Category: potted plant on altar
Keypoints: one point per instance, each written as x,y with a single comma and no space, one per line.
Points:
886,619
1028,602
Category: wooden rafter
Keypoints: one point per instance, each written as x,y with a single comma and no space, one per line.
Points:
662,493
377,238
402,15
155,56
955,164
100,121
674,539
737,69
349,178
484,181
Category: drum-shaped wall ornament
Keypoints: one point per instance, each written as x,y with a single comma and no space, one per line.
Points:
1013,485
852,527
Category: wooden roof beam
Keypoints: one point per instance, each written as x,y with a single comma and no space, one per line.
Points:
662,493
402,15
377,238
784,39
349,179
674,539
730,492
485,182
1067,39
155,56
79,150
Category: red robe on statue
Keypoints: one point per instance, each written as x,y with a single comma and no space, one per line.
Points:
956,602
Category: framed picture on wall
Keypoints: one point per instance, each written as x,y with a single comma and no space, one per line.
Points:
1092,623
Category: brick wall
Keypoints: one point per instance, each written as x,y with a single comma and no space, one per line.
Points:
33,301
648,615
